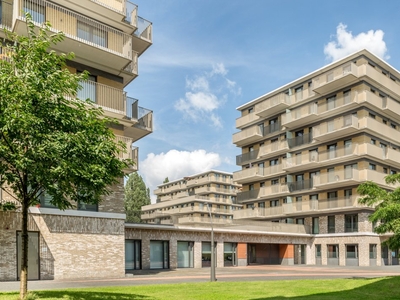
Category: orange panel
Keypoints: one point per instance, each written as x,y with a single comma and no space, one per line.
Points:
286,251
242,250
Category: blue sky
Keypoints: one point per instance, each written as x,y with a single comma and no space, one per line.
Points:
209,57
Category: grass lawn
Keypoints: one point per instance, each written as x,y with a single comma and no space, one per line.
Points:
365,289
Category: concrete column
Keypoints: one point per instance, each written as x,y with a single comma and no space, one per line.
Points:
342,254
197,254
220,254
173,254
145,253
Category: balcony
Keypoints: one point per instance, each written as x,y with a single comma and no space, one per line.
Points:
247,120
376,128
247,136
143,36
274,191
214,190
392,108
299,116
300,207
258,213
246,158
301,162
247,196
338,179
336,78
87,38
192,182
274,149
257,173
337,155
273,105
203,220
393,157
336,128
300,185
300,140
248,175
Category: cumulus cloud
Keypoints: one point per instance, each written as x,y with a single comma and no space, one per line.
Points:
206,93
347,43
175,164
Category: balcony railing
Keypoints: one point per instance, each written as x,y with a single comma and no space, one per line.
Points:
247,195
76,26
272,105
300,185
258,212
336,128
303,114
246,157
6,15
335,178
274,148
256,172
131,12
144,29
335,78
300,140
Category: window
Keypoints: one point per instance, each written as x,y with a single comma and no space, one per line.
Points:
88,90
372,251
299,93
331,174
274,203
373,142
273,162
351,223
371,115
300,221
331,224
385,170
318,251
315,225
392,172
372,167
92,34
384,122
250,110
348,193
299,199
332,195
393,125
133,254
261,204
331,151
351,251
347,147
333,251
331,102
274,181
346,96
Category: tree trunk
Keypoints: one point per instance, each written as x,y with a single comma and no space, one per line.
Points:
24,261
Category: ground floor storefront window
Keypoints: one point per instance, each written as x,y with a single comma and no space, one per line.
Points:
159,255
185,255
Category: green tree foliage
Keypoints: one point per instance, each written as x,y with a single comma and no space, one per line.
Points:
166,180
136,195
386,216
50,142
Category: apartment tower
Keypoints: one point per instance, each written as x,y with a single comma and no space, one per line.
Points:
107,37
306,146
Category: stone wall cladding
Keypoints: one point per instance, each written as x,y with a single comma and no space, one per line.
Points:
83,249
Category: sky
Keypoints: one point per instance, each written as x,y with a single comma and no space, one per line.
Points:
211,56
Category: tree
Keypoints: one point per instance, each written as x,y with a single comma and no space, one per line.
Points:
50,142
136,195
386,216
166,180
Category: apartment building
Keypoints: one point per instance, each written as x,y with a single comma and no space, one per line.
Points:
306,146
193,199
107,37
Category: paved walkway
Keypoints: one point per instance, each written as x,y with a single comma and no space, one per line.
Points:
249,273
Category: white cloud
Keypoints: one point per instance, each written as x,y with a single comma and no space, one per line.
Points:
347,43
206,94
175,164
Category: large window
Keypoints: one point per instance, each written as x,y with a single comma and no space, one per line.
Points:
351,223
92,34
133,254
372,251
159,254
185,254
351,251
230,254
333,251
318,251
206,254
